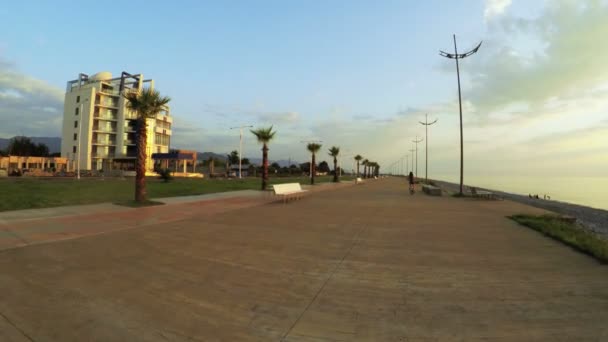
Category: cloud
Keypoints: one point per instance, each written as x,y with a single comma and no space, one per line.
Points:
28,106
495,8
567,60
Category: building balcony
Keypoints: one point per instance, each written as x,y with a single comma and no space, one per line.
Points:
110,92
107,104
102,155
102,129
104,116
104,142
162,130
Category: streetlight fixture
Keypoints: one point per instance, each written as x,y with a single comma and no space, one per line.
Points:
457,56
240,128
426,124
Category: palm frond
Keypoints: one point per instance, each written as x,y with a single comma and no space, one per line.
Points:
264,135
313,147
334,151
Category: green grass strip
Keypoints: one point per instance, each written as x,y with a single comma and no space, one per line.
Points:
567,233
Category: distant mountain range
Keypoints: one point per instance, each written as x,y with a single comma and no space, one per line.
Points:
53,143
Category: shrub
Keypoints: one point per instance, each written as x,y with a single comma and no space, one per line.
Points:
165,175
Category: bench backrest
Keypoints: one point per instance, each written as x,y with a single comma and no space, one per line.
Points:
286,188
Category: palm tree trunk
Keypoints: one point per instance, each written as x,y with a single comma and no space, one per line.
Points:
140,164
314,170
357,169
264,167
335,170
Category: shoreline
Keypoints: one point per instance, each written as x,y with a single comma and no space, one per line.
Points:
591,219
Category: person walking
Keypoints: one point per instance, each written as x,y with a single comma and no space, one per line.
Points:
411,181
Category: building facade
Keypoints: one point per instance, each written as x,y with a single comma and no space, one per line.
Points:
99,131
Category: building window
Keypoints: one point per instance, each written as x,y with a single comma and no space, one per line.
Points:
75,136
73,149
77,98
77,111
75,124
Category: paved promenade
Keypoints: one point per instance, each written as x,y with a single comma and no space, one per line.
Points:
361,263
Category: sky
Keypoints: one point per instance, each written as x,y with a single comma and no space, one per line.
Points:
355,74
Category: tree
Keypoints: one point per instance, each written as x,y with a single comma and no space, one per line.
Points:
24,146
313,148
245,161
334,151
147,103
358,158
233,158
275,165
365,162
305,167
264,135
323,167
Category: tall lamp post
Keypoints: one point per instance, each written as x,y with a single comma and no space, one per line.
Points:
457,56
240,128
416,142
426,124
412,152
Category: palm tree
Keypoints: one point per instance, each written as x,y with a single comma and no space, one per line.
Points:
365,163
313,148
264,136
334,151
146,104
358,159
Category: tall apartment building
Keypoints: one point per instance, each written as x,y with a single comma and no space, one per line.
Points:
99,130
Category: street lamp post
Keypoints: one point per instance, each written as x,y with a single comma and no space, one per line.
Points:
426,124
416,142
457,56
412,151
240,128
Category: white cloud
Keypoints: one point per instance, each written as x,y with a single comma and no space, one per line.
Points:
28,106
495,8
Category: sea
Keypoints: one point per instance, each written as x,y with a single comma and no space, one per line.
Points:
586,191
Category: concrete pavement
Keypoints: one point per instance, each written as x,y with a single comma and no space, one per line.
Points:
362,263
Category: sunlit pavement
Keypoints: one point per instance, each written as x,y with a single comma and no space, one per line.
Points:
366,262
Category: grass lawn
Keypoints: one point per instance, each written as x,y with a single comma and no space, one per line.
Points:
566,233
28,193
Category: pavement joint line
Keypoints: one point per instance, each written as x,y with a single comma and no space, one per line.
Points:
355,241
16,327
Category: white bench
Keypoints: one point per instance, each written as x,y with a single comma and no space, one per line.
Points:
431,190
483,194
288,190
359,180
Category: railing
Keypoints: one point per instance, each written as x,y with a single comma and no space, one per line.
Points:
109,92
106,103
102,154
108,129
106,117
104,142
